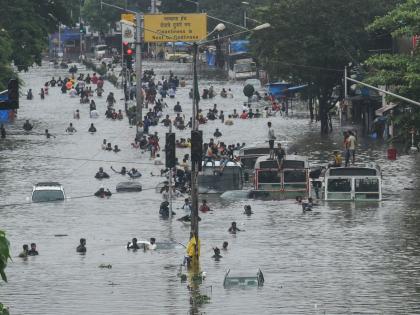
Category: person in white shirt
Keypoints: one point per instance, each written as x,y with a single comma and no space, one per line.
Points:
351,140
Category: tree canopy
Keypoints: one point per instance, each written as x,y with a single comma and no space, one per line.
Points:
400,72
24,30
312,41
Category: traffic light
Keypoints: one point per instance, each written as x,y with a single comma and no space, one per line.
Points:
170,154
197,147
128,55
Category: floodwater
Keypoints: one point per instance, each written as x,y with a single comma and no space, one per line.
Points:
341,259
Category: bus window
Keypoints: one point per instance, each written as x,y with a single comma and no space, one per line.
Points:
339,185
367,185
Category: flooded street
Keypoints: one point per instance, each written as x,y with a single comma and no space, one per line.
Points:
342,258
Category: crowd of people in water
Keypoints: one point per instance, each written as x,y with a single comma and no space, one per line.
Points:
155,90
90,88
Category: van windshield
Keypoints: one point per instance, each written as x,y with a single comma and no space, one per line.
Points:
47,195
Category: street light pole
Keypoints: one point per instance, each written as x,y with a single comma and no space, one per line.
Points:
194,166
139,94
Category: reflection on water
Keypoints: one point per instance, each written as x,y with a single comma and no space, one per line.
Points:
342,258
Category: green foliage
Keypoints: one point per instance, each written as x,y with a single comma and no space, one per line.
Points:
3,310
311,41
4,254
403,20
399,72
24,27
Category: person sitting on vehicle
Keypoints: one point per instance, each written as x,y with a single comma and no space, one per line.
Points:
101,174
217,133
27,126
177,108
133,173
70,128
102,193
204,207
33,251
29,95
92,128
338,160
280,153
216,255
133,245
223,93
247,210
81,248
25,251
116,149
233,228
122,172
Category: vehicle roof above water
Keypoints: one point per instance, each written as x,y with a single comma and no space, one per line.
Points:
217,164
296,161
262,145
48,186
368,169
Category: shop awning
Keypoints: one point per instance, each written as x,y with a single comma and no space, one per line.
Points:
384,109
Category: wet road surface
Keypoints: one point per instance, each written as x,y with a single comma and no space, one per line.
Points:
341,259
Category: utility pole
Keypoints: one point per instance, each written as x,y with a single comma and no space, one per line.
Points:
139,94
345,83
194,164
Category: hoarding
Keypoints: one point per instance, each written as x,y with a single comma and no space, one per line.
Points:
176,27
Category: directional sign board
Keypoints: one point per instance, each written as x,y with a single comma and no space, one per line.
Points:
176,27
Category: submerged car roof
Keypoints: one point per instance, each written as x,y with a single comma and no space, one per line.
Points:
47,184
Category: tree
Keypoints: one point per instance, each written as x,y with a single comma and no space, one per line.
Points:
4,254
24,27
311,42
4,257
401,72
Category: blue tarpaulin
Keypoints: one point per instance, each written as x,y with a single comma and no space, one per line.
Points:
279,89
4,115
239,46
211,58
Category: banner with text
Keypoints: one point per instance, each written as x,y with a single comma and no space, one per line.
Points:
176,27
127,33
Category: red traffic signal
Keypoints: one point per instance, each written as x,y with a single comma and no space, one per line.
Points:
129,51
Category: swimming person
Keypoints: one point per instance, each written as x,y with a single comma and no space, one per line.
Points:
25,251
102,193
216,255
33,251
82,246
70,128
27,126
225,245
101,174
133,245
92,128
233,228
247,210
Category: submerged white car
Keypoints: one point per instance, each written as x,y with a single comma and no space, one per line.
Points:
48,191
